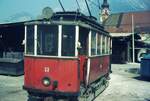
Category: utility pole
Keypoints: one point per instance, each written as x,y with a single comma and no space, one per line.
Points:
133,45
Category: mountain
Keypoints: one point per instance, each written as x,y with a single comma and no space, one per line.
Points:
22,16
23,10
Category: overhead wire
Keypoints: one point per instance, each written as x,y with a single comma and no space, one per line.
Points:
88,7
78,5
97,5
61,5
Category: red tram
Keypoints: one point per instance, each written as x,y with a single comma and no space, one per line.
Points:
66,56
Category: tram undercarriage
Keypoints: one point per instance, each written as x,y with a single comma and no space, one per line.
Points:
88,93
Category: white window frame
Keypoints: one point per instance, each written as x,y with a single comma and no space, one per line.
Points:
89,46
35,40
89,54
59,40
96,44
76,39
25,39
101,51
105,45
109,45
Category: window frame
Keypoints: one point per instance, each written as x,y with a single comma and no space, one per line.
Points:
59,54
103,48
98,44
77,27
25,46
95,41
75,40
46,31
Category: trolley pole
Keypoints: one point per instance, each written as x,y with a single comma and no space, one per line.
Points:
133,45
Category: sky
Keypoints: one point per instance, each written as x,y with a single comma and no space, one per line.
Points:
22,10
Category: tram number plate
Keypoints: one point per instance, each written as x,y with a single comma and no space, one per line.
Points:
46,69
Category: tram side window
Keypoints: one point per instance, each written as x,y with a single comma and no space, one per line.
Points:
99,44
30,40
103,45
68,40
108,45
93,43
83,36
47,40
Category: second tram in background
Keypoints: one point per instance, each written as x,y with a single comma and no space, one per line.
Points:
66,57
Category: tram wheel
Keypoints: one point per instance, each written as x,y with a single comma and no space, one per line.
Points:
66,99
73,99
34,98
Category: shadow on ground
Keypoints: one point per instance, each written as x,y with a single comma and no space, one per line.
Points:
141,78
147,99
133,70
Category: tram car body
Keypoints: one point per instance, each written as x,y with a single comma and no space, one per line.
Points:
64,54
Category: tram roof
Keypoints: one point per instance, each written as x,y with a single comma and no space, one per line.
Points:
76,16
71,18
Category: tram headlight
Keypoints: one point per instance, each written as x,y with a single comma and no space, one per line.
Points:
46,81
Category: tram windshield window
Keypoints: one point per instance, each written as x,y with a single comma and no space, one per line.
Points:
93,43
30,40
47,40
68,40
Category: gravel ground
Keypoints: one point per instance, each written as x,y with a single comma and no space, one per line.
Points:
11,89
124,86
